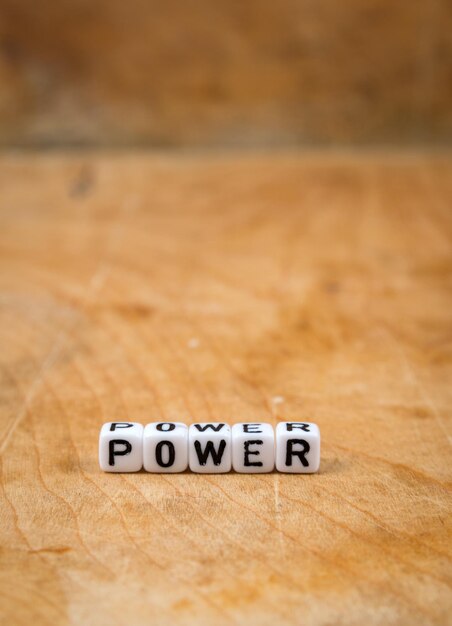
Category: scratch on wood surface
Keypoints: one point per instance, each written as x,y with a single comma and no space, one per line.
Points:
416,382
31,393
95,284
278,514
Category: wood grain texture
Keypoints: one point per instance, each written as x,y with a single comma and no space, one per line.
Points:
260,287
171,72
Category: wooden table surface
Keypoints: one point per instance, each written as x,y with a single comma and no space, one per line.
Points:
313,286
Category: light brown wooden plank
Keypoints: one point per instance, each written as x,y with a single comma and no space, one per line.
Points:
137,286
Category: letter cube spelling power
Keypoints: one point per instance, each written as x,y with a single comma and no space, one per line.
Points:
165,447
253,448
210,448
297,447
121,447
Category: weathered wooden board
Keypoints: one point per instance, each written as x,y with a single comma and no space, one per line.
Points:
313,286
172,72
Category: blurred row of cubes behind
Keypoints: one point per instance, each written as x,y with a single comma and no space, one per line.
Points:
221,73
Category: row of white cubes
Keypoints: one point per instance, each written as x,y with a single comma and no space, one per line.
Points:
210,448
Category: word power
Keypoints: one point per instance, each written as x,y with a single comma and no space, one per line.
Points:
210,448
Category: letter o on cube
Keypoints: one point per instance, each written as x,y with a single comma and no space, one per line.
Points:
297,447
165,447
121,447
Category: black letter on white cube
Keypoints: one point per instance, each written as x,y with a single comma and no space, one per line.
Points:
165,447
121,447
297,447
210,448
113,450
300,453
253,448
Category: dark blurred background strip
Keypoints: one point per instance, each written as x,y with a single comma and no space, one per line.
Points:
221,73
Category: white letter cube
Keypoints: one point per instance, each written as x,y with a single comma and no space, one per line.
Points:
165,447
210,448
297,447
121,447
253,448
